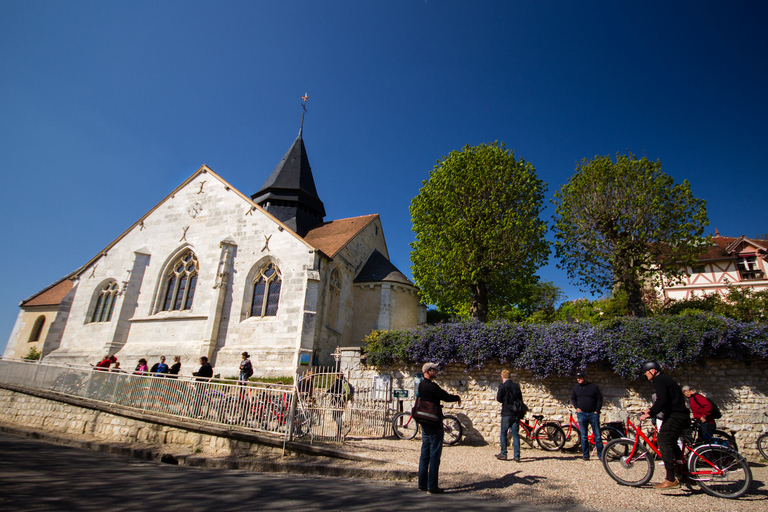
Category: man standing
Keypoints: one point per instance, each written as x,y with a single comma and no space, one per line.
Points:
702,410
432,434
588,401
511,399
670,401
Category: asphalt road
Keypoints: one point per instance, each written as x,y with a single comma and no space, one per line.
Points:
35,475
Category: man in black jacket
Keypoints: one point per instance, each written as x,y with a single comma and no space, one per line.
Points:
671,402
588,401
511,399
432,434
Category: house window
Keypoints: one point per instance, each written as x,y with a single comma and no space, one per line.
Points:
37,329
749,268
697,269
181,282
266,291
105,303
334,297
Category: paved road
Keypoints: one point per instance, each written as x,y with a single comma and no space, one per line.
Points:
39,476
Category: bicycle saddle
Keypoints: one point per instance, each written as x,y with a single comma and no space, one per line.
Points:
538,417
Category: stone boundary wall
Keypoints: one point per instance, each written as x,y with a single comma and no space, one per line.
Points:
48,415
740,388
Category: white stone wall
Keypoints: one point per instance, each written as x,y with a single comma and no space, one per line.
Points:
39,414
739,388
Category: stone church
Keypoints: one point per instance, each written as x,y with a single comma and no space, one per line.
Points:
211,271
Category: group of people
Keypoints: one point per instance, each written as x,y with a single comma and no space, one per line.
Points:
669,404
161,369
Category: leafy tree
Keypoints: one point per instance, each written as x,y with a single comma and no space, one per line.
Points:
479,238
626,224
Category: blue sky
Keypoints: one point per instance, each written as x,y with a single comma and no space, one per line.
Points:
107,106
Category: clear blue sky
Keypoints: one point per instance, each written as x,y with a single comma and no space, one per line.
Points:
107,106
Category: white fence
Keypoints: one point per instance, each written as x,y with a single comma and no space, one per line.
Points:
260,407
322,406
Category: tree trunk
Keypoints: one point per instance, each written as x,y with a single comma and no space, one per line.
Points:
479,307
635,299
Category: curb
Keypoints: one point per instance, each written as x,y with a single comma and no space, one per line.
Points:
249,464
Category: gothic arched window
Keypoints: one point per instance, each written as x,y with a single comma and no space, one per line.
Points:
105,303
180,284
37,329
266,291
334,297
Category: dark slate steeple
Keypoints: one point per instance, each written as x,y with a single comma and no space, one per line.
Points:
289,193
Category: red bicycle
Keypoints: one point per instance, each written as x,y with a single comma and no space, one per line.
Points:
719,470
608,432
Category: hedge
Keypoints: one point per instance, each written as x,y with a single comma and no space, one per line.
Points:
562,348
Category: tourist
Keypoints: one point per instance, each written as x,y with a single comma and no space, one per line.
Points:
588,401
512,411
432,433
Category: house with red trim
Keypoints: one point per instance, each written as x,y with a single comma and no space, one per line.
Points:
728,262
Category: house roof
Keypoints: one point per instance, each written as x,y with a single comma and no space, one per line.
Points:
379,269
52,295
725,247
331,237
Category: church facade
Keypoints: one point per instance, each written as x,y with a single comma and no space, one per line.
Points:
210,271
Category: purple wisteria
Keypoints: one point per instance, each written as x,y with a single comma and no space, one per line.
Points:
561,348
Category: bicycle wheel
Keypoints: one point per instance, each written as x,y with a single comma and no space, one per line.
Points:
626,463
453,430
762,445
550,437
404,426
720,471
572,438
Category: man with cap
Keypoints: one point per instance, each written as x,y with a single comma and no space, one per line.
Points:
432,435
588,401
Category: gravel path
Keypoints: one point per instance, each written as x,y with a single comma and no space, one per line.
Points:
555,479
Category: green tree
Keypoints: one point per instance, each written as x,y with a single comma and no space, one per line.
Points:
479,238
625,225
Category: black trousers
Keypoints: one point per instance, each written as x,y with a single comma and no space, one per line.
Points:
669,433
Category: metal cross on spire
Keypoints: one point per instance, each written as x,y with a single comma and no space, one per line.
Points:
304,109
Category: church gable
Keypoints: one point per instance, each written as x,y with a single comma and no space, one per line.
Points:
169,271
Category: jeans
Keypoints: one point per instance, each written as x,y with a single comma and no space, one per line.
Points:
585,420
431,450
506,425
669,433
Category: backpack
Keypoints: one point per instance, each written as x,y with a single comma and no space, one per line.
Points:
716,414
519,409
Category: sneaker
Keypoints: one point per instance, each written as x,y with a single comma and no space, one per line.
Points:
500,456
423,489
436,491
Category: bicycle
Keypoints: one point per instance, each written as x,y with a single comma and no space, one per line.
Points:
549,435
717,469
608,432
405,427
762,445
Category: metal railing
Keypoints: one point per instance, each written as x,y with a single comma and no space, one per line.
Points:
269,408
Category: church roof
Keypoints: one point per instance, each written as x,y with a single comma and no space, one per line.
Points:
379,269
292,180
331,237
52,295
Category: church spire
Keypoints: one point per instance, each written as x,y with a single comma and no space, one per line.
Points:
289,193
